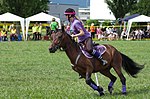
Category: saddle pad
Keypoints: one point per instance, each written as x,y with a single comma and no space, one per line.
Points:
99,48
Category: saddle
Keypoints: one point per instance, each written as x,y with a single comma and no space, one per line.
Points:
99,48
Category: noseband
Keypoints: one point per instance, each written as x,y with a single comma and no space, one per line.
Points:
58,43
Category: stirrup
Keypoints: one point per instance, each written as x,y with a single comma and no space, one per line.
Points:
104,62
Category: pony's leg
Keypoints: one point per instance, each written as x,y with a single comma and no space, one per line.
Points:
117,64
122,79
108,74
92,84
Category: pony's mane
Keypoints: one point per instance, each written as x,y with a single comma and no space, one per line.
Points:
64,32
72,39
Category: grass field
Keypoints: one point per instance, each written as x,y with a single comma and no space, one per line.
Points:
29,71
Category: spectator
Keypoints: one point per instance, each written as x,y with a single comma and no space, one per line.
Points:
11,27
47,30
54,26
68,28
3,35
110,37
115,34
139,34
92,30
18,32
123,34
5,26
13,36
132,34
34,32
99,33
108,31
147,33
39,31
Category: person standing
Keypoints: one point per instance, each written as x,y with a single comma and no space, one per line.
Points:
11,27
99,33
123,34
4,31
92,30
67,29
5,26
39,31
54,26
34,30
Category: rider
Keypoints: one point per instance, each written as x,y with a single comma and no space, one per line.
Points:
54,26
84,36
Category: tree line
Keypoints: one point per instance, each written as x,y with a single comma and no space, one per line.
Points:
120,8
24,8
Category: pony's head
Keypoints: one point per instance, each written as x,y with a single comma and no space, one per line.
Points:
59,39
56,41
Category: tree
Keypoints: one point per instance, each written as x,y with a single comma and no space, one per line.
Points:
23,8
142,7
89,22
120,7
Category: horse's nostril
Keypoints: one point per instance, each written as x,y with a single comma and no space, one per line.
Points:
51,50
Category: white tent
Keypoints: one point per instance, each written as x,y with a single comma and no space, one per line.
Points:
141,18
40,17
11,17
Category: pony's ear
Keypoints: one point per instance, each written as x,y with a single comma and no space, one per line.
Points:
63,28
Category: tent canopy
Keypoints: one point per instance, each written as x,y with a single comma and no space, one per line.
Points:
130,17
40,17
141,18
11,17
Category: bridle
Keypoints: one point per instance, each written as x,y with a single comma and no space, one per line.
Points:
57,43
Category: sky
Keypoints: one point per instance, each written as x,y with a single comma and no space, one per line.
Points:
81,3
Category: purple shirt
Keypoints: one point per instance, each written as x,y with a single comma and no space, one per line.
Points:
75,28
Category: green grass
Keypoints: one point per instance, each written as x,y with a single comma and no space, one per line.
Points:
29,71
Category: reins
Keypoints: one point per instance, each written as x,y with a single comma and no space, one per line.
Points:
79,52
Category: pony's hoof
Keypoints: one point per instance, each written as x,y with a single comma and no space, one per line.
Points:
101,94
100,90
110,89
124,93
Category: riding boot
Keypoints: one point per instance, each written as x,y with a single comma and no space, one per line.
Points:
98,56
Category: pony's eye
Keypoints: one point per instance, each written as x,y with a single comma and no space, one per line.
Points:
59,37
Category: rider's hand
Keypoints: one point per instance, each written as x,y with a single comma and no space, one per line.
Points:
73,36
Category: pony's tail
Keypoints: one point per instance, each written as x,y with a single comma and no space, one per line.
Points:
131,67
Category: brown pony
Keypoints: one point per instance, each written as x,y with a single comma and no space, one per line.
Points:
86,66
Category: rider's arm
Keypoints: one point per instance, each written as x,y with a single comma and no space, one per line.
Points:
78,26
79,34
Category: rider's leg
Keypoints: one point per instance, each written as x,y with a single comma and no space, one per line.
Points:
89,46
99,56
